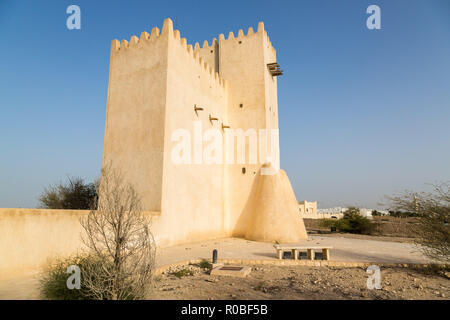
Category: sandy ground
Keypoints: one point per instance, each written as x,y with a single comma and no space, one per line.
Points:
344,249
301,282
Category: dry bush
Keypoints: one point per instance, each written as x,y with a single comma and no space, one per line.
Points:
118,238
433,215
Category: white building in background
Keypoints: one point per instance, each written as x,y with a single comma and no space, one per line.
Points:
331,211
308,210
366,212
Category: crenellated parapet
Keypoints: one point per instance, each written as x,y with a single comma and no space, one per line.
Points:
210,53
117,45
205,64
207,53
241,36
174,36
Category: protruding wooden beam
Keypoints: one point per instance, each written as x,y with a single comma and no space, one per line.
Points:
197,109
211,119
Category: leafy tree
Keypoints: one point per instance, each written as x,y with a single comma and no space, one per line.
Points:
376,213
351,213
75,194
351,222
402,214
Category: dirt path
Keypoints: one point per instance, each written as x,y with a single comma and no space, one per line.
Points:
299,282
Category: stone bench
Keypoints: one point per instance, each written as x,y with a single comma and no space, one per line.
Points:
294,249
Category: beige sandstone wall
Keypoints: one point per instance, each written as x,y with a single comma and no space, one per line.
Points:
136,112
192,197
155,82
274,211
242,64
29,236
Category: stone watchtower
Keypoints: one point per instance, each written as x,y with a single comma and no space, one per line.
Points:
158,84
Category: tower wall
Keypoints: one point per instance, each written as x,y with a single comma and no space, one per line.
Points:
209,53
242,62
270,83
135,117
155,83
192,203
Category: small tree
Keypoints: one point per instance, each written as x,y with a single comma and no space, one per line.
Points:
402,214
376,213
351,222
352,213
432,210
118,235
75,194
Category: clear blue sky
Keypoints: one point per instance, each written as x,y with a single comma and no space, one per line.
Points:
363,113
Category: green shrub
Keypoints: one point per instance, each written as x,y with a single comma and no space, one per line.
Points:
344,225
53,284
327,223
351,222
361,225
183,273
204,264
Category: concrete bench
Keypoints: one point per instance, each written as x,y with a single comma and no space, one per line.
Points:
294,249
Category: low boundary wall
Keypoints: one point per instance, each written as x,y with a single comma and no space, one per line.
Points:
28,237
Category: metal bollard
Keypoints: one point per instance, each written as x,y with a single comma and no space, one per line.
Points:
214,257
